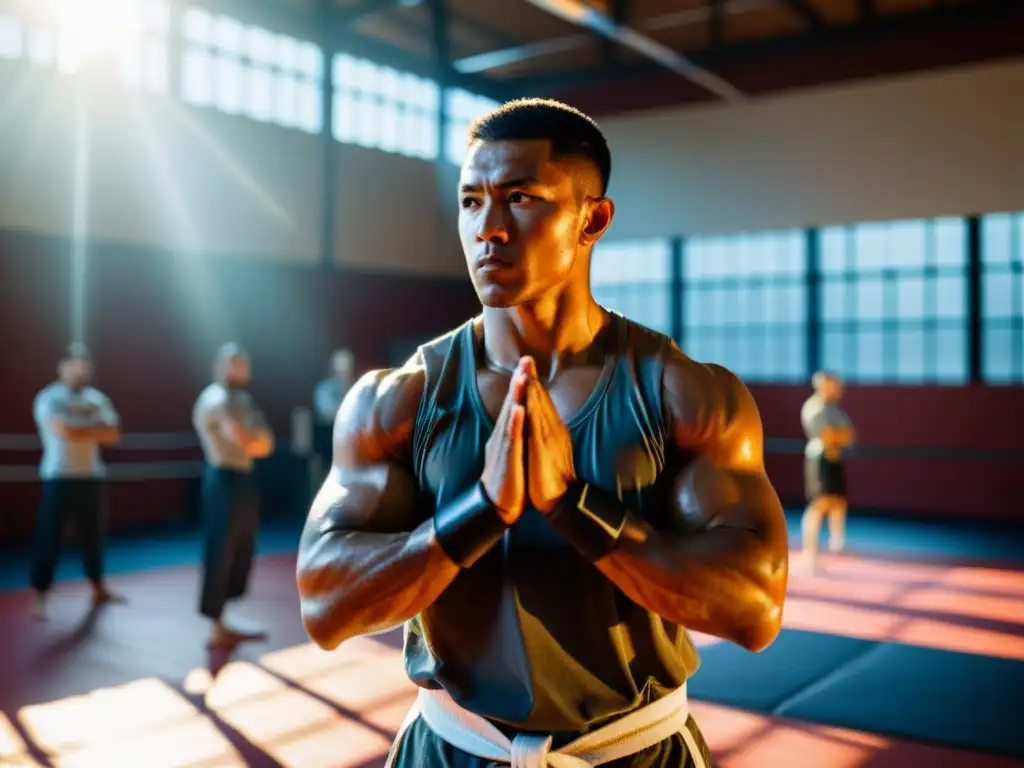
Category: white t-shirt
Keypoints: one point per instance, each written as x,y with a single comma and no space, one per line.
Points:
816,416
214,408
87,407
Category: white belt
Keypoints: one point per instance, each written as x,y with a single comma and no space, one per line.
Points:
626,736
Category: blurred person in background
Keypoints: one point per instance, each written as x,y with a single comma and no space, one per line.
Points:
327,397
233,433
74,420
829,432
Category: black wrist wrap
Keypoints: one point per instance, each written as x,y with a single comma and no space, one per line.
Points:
468,526
590,519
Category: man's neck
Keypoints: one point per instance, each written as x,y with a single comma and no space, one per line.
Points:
555,331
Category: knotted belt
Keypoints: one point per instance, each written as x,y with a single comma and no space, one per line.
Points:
626,736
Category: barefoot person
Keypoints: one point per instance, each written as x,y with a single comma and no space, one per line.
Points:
548,496
75,420
233,434
829,432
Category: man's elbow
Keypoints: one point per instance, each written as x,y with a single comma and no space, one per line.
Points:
758,635
763,621
319,629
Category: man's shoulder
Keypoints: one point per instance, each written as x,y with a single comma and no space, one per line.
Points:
95,395
387,395
211,395
438,348
378,415
49,394
51,389
647,342
811,407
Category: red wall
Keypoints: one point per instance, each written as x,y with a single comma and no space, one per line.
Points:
154,321
964,420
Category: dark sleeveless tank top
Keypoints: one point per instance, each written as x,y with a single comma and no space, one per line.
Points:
532,636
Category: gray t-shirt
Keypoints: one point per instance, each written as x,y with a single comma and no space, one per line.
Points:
816,416
214,408
327,398
87,407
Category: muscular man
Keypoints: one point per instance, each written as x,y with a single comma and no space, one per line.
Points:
327,397
829,432
233,434
74,421
547,497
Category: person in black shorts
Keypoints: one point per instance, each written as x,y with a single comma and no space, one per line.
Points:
547,497
829,432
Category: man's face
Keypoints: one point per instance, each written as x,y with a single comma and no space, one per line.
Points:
237,371
342,365
832,390
75,372
521,220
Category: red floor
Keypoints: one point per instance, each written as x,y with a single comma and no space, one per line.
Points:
134,685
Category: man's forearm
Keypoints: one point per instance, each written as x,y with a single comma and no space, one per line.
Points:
354,583
719,581
105,434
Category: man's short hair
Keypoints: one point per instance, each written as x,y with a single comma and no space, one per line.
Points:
571,133
820,377
76,350
229,351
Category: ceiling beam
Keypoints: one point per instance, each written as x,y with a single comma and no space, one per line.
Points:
582,15
620,15
439,46
805,11
935,24
866,9
350,15
504,57
716,23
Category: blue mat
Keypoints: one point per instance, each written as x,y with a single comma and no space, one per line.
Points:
134,555
955,699
734,677
886,537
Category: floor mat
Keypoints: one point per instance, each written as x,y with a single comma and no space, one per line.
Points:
958,699
139,554
950,541
732,676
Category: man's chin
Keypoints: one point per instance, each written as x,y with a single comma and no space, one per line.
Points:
499,296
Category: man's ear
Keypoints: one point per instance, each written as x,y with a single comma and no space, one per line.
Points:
599,218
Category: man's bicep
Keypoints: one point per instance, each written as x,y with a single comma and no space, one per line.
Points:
108,413
371,486
716,426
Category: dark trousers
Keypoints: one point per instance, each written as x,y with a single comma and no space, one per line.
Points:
230,509
323,444
81,501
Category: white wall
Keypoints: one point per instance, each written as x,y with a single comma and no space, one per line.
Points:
172,176
167,175
392,214
942,143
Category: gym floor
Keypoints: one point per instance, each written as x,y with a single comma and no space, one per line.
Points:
908,650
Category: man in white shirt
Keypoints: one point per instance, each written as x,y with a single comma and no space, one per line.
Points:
327,397
74,421
233,434
829,432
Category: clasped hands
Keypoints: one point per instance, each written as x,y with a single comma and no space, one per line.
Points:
529,454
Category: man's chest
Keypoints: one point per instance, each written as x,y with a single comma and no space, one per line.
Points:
77,407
